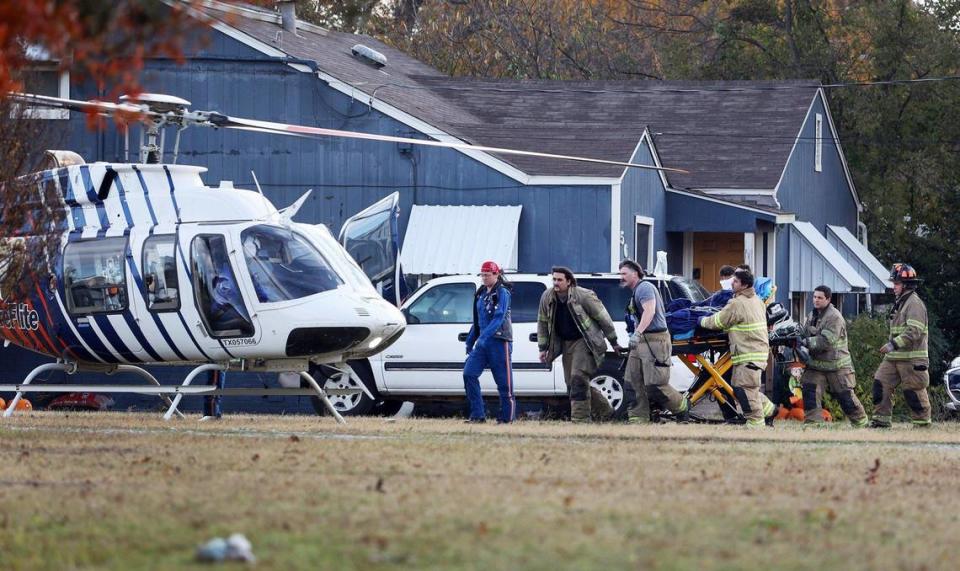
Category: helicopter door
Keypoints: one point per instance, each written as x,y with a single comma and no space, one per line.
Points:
217,293
371,236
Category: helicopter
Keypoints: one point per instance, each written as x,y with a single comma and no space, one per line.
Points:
156,268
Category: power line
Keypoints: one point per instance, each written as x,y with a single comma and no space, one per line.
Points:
438,86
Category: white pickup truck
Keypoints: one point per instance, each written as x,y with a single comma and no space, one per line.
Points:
426,363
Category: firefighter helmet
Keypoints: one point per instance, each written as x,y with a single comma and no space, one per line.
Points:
905,274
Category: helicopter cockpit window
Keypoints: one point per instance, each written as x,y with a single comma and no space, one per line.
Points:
94,276
215,288
160,284
284,266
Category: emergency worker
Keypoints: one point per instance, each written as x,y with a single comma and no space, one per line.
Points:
572,322
490,344
830,367
726,277
648,365
744,318
905,359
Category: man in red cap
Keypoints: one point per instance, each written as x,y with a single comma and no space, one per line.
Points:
489,345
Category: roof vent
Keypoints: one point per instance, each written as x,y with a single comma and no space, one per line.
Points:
288,15
369,55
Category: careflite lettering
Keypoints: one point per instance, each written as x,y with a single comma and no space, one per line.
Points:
19,316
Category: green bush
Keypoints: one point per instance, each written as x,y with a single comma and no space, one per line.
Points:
866,334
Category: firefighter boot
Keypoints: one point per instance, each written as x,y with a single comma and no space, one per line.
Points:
580,411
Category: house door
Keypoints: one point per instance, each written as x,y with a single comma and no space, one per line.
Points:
711,250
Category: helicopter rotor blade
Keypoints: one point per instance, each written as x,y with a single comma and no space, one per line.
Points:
101,107
227,122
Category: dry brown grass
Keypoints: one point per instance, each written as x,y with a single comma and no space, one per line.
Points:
130,491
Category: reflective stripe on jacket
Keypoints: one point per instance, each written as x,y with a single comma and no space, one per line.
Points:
826,333
589,314
908,329
744,318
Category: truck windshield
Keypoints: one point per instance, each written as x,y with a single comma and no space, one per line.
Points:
284,266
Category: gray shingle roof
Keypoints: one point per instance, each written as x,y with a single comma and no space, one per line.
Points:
725,136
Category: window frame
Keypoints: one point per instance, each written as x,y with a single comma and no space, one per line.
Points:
143,261
473,287
71,310
210,331
40,61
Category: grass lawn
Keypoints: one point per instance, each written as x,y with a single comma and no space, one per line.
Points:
125,491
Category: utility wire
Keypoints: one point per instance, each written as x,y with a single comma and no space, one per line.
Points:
439,86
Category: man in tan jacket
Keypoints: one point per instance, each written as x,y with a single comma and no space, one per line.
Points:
830,367
572,322
905,358
744,318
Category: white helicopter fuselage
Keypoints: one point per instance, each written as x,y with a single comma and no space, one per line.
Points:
157,268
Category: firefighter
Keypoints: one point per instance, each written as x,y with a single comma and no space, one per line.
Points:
572,322
744,318
830,367
905,358
648,365
490,344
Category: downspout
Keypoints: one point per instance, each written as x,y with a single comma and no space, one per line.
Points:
863,240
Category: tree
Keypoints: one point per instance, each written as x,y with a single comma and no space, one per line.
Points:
101,42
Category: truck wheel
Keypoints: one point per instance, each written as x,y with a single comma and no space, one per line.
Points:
612,388
357,404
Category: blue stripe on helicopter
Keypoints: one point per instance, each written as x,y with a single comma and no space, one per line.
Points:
57,326
92,197
127,317
156,319
114,338
173,195
76,211
146,197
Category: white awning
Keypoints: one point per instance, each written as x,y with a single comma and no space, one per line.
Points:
447,240
858,256
814,262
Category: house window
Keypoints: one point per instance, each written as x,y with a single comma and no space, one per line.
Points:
818,156
643,242
44,77
160,284
94,276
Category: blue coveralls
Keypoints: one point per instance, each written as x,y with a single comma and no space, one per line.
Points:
486,351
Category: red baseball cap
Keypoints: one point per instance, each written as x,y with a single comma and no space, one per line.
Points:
490,266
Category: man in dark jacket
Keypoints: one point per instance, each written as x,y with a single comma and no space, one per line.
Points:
573,322
490,344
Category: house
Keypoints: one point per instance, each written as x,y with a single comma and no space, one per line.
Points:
766,183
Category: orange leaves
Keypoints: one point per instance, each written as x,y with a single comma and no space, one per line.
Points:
106,42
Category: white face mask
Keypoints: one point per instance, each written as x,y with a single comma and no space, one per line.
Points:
726,284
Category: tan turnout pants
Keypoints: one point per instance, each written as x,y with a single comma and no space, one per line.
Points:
915,378
840,384
650,381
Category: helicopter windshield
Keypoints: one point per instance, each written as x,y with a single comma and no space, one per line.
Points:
284,266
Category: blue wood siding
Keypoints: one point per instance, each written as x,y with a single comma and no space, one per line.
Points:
687,213
820,198
642,194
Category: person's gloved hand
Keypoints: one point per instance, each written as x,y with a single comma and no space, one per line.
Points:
887,348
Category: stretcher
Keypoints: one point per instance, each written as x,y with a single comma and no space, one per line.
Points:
708,358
